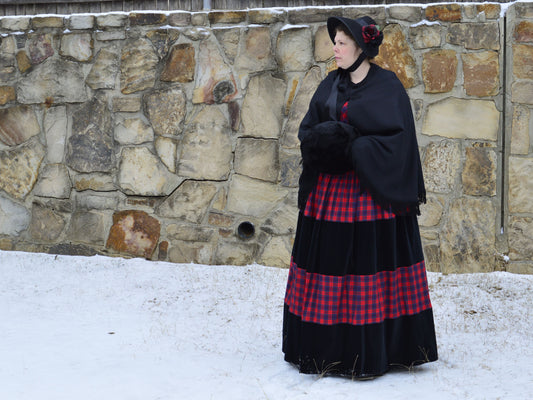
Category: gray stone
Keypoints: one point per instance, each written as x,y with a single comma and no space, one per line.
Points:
323,44
276,253
15,24
17,125
133,131
179,18
189,202
106,36
138,66
40,47
46,224
431,212
520,238
81,21
522,92
111,20
282,220
54,80
293,51
105,69
14,218
166,149
163,39
55,130
253,197
142,173
229,38
89,200
190,233
91,147
126,104
257,158
197,33
235,253
468,239
299,108
405,12
166,110
441,165
206,151
256,52
54,181
262,109
95,181
78,46
520,140
290,167
475,36
19,168
479,173
191,252
520,188
425,36
88,227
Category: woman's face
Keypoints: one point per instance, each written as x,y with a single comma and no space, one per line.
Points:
346,50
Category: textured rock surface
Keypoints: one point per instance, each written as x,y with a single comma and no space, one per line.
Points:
481,73
439,70
18,124
441,165
166,110
14,218
292,50
138,66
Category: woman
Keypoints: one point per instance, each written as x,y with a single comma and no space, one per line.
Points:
357,299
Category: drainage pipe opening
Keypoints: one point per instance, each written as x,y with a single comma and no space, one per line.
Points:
246,230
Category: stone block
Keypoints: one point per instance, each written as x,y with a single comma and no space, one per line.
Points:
220,220
475,36
89,200
138,66
190,233
276,253
166,149
14,217
520,233
282,221
106,36
522,92
88,227
7,94
77,46
431,212
262,108
162,39
47,22
396,55
257,158
520,139
266,15
166,110
481,73
111,20
180,64
133,131
520,268
520,188
54,181
95,181
294,49
199,18
226,17
405,12
55,131
256,52
491,10
523,32
312,14
23,61
379,14
69,249
134,232
425,36
523,61
253,197
444,12
127,104
462,119
18,23
147,18
17,125
190,252
190,201
323,44
235,253
40,47
468,236
206,147
479,173
290,167
81,21
142,173
439,70
524,9
229,38
441,165
46,224
179,18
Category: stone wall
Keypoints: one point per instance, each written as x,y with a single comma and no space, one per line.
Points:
173,136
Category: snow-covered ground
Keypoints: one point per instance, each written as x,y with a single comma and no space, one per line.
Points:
108,328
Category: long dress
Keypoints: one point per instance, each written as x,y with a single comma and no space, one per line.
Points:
357,300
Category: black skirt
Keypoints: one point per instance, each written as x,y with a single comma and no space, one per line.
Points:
357,300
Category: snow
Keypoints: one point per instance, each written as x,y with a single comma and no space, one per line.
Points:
112,328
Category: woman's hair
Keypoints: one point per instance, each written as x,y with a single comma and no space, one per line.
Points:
342,28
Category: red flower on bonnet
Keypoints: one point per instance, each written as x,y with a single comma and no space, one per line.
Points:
370,33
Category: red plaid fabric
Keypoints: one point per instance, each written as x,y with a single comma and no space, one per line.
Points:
357,299
339,198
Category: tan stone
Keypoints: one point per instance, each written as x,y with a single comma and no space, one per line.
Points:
111,20
323,44
520,130
468,240
431,212
179,18
257,158
46,224
47,22
166,109
282,220
7,94
190,252
55,129
17,125
206,148
138,66
235,253
189,233
479,173
481,73
396,55
492,11
290,167
256,53
214,81
405,12
253,197
475,36
276,253
432,257
462,119
20,23
23,61
439,70
147,18
226,17
523,61
520,188
104,70
81,21
180,64
524,32
88,227
520,233
14,218
425,36
54,181
134,232
266,15
126,104
189,202
524,9
445,13
293,50
95,181
220,220
289,138
166,149
162,39
229,38
77,46
262,108
441,164
520,267
133,131
522,92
